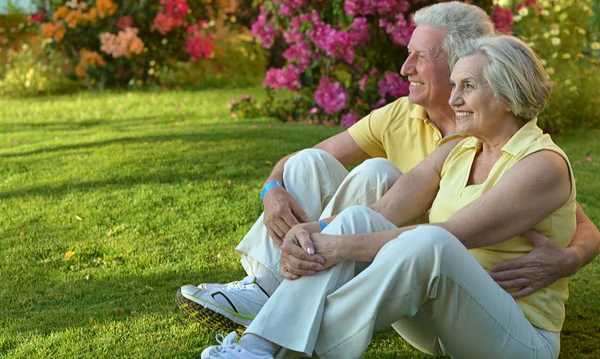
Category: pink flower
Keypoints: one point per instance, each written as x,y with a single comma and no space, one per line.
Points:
176,8
263,28
37,17
173,16
503,19
350,118
360,30
283,78
399,31
124,22
331,96
392,84
300,53
363,82
200,46
165,23
125,43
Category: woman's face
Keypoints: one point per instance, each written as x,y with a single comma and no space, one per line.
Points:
478,112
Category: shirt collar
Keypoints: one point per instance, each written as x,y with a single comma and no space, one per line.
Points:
526,134
419,112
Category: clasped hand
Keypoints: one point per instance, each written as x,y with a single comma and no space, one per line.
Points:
305,251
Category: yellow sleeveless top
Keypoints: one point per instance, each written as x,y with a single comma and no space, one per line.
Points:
544,308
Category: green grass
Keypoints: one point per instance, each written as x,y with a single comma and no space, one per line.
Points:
152,191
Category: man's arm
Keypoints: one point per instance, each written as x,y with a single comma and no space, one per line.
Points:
282,211
548,262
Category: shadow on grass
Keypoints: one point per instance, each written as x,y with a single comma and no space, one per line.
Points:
79,124
207,133
84,302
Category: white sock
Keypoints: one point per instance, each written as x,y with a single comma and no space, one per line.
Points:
258,345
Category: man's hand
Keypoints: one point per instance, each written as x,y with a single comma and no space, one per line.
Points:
541,267
298,256
282,212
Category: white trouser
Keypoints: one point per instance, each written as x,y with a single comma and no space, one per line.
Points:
322,187
425,283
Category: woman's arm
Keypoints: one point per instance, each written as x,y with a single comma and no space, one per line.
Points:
531,190
413,193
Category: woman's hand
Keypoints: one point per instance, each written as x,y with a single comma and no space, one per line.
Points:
298,256
328,247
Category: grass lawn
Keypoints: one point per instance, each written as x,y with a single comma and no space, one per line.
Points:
149,191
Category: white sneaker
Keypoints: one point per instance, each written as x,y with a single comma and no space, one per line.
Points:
229,350
228,307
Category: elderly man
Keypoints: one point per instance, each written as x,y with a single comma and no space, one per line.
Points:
313,184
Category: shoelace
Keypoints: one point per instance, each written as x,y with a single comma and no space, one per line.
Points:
225,342
242,283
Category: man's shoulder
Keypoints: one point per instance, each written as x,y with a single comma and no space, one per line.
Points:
402,111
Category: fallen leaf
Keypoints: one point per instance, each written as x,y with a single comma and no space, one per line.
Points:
22,234
172,126
176,108
91,320
69,254
87,276
269,126
229,182
589,159
78,218
254,126
121,310
269,163
15,141
577,162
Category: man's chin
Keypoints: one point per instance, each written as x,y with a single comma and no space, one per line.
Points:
414,98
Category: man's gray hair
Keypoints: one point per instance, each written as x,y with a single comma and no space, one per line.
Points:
514,72
462,21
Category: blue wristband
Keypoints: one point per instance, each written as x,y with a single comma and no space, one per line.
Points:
322,224
268,187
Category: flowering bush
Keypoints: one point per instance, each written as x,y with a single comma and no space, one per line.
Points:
29,71
342,57
245,106
123,42
561,33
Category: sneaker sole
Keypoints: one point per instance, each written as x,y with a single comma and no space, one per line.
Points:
209,316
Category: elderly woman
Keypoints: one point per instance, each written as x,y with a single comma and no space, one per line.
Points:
430,281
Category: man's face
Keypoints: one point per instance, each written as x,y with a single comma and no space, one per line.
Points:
427,68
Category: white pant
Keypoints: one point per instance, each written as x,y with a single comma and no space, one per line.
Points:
322,187
424,282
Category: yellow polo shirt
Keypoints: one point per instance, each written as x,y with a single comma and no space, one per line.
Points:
400,132
545,307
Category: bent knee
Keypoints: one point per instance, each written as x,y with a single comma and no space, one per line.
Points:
308,156
377,165
426,237
355,212
375,170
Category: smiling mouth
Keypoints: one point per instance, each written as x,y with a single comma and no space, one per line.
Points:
462,114
416,84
